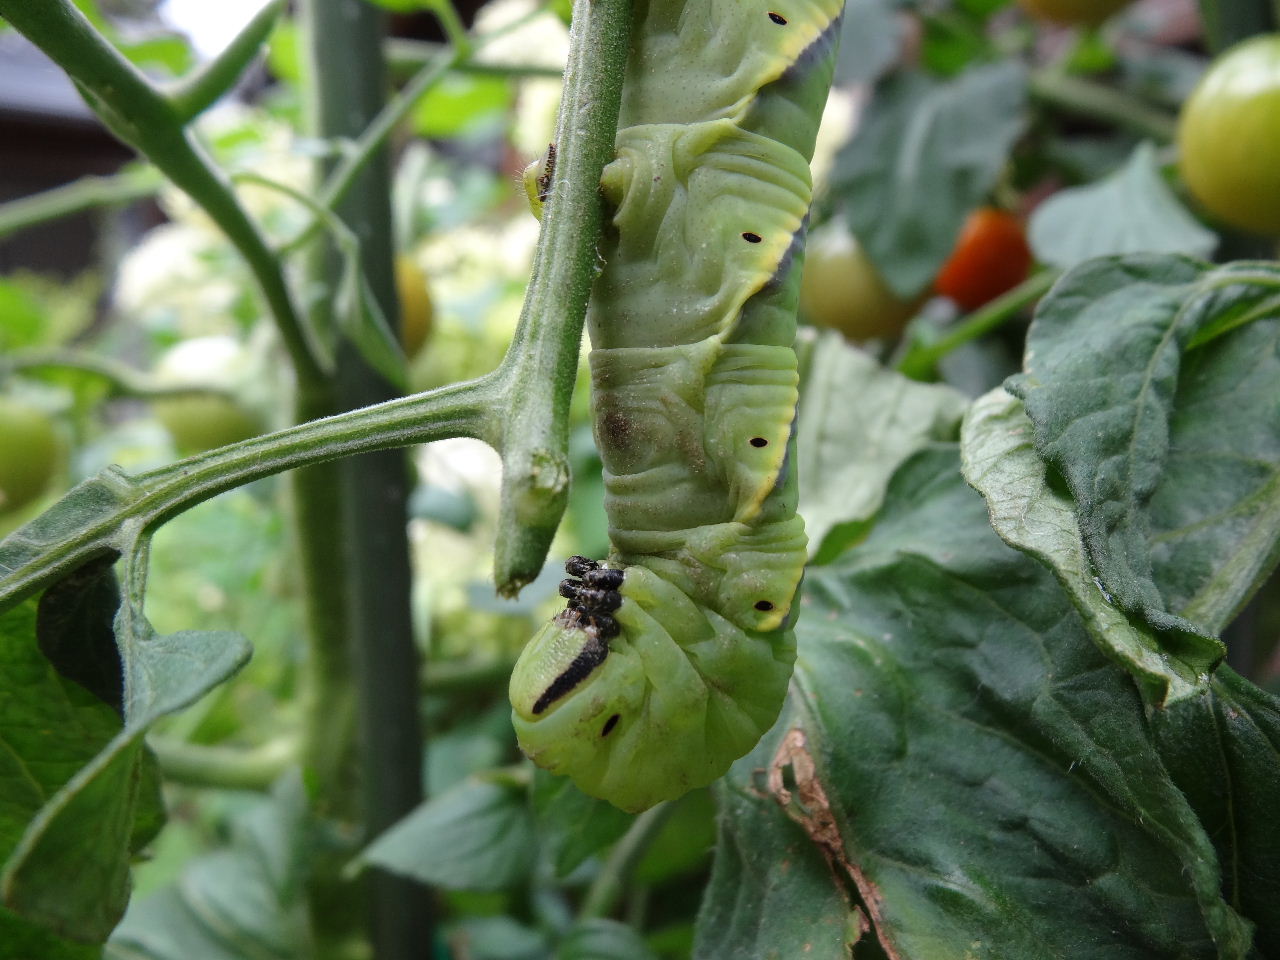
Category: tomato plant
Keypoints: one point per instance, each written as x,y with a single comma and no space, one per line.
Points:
1229,137
28,453
842,289
1088,12
991,257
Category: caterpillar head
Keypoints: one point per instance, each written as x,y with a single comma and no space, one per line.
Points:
573,698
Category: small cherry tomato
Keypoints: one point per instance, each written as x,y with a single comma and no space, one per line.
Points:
990,257
416,310
841,288
29,451
1088,12
1229,137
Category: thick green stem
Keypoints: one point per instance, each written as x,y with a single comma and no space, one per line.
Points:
224,768
143,117
135,183
544,353
921,360
149,499
1089,98
201,90
346,85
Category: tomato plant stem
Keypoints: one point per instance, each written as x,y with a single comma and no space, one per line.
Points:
541,367
1092,99
134,183
921,360
607,888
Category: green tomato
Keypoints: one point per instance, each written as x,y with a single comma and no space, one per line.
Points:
1089,12
28,454
203,422
841,288
1229,137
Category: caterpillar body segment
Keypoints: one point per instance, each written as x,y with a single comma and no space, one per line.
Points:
652,686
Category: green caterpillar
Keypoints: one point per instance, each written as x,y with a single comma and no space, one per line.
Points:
673,658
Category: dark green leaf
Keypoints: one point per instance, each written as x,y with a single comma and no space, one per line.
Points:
1132,211
244,901
497,938
604,940
858,422
572,825
20,940
1001,463
771,895
980,772
87,829
871,38
74,627
1105,388
1223,751
927,153
683,845
50,728
477,836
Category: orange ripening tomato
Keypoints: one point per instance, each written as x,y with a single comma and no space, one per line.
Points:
990,257
1091,12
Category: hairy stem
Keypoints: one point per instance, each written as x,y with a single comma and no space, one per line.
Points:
542,364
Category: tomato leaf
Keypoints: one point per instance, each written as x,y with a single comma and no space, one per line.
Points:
1000,462
871,37
752,906
926,153
1137,436
600,939
971,762
572,825
1132,211
858,422
247,900
477,836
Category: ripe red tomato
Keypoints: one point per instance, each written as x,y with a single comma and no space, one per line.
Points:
990,257
1090,12
1229,137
